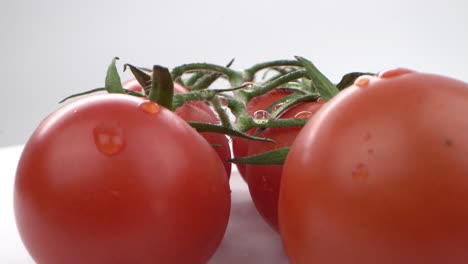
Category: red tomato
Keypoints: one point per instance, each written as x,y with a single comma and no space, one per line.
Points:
197,111
379,175
240,145
264,180
117,179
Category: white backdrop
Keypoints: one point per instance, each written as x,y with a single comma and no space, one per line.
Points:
52,48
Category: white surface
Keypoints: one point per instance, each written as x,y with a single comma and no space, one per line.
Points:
248,239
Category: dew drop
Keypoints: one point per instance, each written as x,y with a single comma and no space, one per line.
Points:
261,116
248,85
360,172
150,107
303,114
266,184
108,140
362,81
393,72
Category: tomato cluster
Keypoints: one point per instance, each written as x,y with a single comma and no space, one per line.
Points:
369,170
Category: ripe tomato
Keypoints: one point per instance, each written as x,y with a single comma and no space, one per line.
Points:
379,175
264,180
197,111
117,179
240,145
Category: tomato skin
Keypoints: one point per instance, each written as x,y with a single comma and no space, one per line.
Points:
197,111
264,180
200,112
102,181
379,175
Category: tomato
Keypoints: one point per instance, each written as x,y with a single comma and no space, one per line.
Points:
264,180
117,179
262,102
197,111
379,175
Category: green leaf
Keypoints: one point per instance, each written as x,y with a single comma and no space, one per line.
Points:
204,127
273,157
324,86
113,84
143,78
162,87
349,78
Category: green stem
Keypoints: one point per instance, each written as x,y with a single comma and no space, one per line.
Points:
162,87
285,122
248,95
235,77
221,112
250,72
324,86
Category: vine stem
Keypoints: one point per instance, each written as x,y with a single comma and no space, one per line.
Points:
250,72
235,78
248,95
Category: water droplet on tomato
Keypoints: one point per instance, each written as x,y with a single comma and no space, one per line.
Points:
360,172
108,140
393,72
362,81
266,184
261,116
276,107
150,107
320,100
303,114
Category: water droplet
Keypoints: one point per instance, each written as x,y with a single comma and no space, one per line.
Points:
248,85
261,116
75,111
276,107
393,72
108,140
303,114
266,184
320,100
360,172
362,81
150,107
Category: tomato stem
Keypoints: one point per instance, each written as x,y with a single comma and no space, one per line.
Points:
217,105
249,95
250,72
235,77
